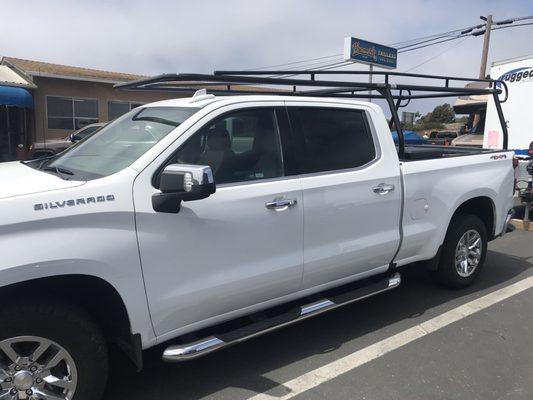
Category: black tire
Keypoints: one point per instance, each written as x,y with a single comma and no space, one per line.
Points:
68,326
447,273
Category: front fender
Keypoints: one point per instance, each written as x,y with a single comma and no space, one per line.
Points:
102,245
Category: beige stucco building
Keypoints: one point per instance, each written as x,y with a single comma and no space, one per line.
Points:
65,98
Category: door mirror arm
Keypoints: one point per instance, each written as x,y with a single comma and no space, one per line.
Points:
182,182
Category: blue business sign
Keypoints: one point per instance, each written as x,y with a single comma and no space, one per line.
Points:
370,53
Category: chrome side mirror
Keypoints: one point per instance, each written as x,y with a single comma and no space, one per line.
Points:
183,182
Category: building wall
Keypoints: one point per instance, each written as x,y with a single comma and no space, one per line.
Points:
103,92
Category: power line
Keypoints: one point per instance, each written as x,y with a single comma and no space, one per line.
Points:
430,44
436,56
464,34
416,40
296,62
410,45
470,34
318,64
469,31
514,19
436,36
311,60
322,67
512,26
421,42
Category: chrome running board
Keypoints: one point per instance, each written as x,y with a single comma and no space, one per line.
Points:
188,351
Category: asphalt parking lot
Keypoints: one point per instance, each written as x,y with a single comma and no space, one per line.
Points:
487,354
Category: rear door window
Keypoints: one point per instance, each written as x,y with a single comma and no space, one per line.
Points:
331,139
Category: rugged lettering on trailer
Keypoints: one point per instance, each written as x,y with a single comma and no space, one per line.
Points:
517,75
73,202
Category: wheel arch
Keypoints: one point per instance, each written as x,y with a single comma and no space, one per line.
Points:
481,206
94,294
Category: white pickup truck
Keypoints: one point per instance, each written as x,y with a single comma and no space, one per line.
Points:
212,219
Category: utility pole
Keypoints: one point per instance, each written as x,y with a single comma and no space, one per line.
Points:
370,71
486,42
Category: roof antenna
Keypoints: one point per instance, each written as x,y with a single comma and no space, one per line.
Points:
200,92
200,95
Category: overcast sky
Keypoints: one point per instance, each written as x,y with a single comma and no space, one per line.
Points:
152,37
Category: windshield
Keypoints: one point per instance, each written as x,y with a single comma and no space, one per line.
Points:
117,145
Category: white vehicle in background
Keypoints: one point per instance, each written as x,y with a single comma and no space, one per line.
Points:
517,73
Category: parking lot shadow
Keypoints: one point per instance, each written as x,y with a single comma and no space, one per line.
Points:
245,365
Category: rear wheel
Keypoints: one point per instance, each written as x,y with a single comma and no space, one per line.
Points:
463,252
50,352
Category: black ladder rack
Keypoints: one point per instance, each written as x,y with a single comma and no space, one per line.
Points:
315,83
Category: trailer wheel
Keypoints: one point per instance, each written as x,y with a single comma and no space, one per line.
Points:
463,251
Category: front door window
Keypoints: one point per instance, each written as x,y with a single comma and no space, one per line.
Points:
239,146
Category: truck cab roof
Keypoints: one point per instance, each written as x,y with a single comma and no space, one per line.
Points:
225,100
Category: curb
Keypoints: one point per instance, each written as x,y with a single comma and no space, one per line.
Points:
523,226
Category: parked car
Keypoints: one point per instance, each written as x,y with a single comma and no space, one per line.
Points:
410,137
50,147
193,211
442,137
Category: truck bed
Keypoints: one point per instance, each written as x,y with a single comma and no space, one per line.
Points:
427,152
439,183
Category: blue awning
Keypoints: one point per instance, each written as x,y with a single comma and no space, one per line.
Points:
15,96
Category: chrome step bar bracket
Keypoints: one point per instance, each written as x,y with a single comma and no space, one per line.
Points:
188,351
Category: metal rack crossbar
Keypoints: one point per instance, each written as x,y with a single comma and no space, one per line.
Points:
284,83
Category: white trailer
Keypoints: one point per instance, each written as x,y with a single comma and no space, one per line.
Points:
517,73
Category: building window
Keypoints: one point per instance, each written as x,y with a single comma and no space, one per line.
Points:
117,108
70,113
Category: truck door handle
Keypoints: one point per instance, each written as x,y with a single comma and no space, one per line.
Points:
383,188
280,204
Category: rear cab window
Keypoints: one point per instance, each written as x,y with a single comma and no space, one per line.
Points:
331,139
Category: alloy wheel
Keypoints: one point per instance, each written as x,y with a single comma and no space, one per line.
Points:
36,368
468,253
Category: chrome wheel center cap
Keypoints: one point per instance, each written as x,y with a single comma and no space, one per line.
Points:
23,380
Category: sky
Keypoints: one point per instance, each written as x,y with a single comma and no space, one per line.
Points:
153,37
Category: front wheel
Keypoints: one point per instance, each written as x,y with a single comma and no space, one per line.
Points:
50,351
463,251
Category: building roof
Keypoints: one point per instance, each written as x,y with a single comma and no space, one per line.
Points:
9,77
39,68
468,104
